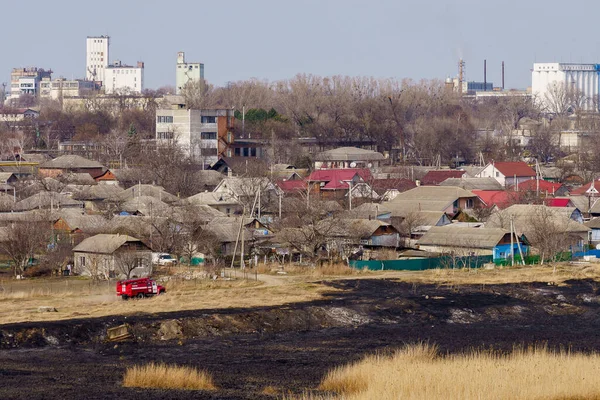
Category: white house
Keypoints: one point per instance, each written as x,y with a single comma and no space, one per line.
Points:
507,173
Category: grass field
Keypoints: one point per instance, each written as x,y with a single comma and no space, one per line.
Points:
418,372
19,301
77,298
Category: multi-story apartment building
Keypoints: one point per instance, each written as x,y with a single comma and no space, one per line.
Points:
205,134
60,88
96,58
187,72
121,78
27,81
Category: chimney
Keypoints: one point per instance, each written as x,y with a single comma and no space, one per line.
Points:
484,75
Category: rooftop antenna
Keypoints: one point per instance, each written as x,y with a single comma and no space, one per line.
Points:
502,75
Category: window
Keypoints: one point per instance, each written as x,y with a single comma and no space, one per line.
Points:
164,135
82,261
237,151
164,119
497,174
209,152
208,135
208,120
469,203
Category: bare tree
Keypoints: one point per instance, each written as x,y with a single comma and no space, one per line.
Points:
562,99
548,233
126,262
24,241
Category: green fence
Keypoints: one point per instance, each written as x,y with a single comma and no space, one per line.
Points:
421,264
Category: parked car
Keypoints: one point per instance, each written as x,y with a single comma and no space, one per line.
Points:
163,259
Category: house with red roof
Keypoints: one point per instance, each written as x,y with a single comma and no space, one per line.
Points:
559,202
335,183
545,188
497,198
589,189
435,177
293,186
389,188
508,173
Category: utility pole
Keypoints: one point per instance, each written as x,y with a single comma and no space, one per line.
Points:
350,195
512,246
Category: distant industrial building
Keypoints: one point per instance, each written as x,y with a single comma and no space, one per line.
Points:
27,81
59,88
579,82
469,87
96,58
187,72
126,79
205,134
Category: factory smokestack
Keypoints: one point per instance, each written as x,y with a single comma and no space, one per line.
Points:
484,75
502,75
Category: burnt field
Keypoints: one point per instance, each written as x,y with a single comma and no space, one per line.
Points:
289,348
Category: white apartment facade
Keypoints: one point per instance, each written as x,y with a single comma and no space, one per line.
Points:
547,78
124,79
96,58
187,72
205,135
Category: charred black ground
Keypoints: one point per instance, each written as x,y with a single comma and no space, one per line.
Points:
291,347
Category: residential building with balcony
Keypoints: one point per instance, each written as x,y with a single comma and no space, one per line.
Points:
206,135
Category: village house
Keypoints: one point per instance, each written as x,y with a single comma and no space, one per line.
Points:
225,203
47,200
348,157
447,199
334,184
70,163
473,183
435,177
105,255
508,173
72,224
538,220
389,188
467,241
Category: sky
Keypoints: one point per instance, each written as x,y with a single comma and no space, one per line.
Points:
274,40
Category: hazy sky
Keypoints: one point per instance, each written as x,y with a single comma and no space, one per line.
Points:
275,40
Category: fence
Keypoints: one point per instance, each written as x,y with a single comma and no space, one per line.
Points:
421,264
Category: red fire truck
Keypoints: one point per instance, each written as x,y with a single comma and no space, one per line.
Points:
140,288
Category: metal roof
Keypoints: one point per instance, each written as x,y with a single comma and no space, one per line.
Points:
349,154
454,236
70,161
103,243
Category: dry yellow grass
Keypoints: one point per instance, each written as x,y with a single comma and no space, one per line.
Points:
418,372
336,269
556,274
164,376
19,301
76,298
